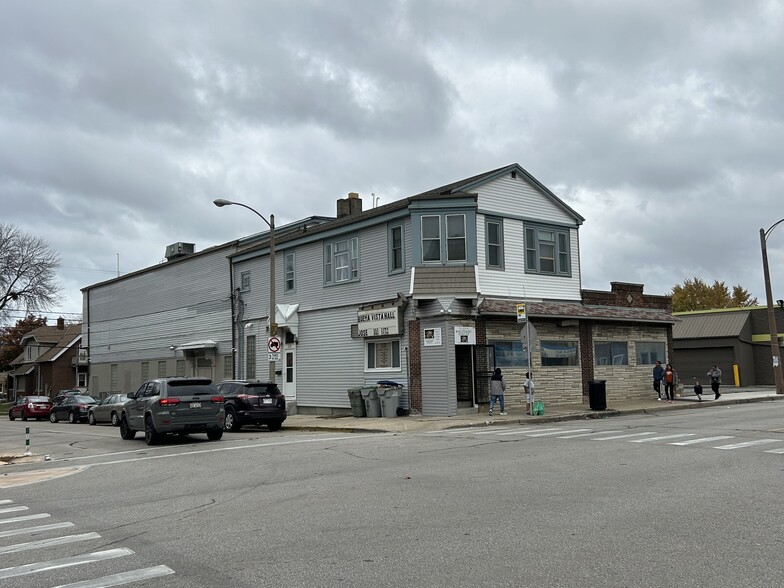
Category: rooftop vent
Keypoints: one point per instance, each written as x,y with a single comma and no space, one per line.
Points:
176,250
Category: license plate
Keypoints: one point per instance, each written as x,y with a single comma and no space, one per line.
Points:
266,400
195,404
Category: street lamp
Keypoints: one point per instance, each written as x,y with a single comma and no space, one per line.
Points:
774,332
273,330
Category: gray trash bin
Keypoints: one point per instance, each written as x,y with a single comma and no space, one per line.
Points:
390,401
372,402
357,403
597,394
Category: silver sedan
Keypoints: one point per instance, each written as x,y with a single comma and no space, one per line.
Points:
108,410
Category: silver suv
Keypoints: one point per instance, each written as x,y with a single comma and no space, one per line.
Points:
173,405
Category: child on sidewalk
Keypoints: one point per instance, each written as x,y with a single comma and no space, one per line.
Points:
528,386
698,390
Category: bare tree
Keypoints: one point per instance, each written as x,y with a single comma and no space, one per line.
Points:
27,271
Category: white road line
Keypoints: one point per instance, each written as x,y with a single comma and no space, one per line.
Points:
662,438
748,444
526,431
452,431
42,515
48,542
588,434
702,440
555,432
779,450
65,562
122,578
492,431
6,501
626,436
37,529
12,509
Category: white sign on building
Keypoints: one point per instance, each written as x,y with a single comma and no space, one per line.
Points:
374,323
465,336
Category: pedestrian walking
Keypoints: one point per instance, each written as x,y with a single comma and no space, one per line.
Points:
715,378
528,386
670,381
698,390
658,375
497,389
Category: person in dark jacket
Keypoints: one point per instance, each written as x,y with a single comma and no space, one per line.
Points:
497,389
658,376
715,376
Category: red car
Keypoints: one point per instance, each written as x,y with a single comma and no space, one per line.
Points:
33,407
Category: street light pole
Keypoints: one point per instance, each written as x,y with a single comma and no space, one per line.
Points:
273,328
774,337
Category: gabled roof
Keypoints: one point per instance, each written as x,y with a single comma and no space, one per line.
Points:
58,339
719,324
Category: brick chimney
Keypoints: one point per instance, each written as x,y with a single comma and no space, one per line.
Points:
60,324
350,205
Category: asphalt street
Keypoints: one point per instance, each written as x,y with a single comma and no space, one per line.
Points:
674,498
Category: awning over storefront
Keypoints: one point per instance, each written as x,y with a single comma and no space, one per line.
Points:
203,344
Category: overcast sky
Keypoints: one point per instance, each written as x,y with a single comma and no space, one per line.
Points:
661,122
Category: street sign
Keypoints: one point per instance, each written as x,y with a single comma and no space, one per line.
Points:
528,337
273,356
273,345
521,318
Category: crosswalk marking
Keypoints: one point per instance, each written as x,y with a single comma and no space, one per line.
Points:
626,436
588,434
779,450
6,501
525,431
37,529
48,542
662,438
452,431
64,562
556,431
492,432
12,509
702,440
31,517
122,578
748,443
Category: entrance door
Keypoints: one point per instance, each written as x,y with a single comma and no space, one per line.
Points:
484,366
290,372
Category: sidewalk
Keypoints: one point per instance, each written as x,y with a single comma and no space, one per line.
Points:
552,413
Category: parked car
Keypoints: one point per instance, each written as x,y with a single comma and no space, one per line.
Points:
63,394
173,405
36,407
254,402
74,408
107,410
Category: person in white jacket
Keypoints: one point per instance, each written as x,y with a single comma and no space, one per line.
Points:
497,389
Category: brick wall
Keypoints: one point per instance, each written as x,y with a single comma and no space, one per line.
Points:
414,366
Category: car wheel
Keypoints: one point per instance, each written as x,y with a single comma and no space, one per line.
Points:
72,418
230,423
53,417
11,417
151,436
24,416
214,434
125,431
115,419
274,425
91,418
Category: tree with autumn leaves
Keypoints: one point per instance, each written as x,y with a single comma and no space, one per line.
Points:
11,338
698,295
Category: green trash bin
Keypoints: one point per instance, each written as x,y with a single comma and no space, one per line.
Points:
357,404
372,402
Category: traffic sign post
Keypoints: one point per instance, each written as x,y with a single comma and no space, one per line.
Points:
273,344
521,316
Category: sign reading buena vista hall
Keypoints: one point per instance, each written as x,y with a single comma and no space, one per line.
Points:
373,323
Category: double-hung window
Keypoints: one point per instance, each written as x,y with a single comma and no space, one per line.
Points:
288,272
245,281
341,261
453,226
547,250
395,248
494,236
431,238
383,355
455,237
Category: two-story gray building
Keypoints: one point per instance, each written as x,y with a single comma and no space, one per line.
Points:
424,291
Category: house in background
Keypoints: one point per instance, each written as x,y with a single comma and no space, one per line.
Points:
423,291
51,360
737,340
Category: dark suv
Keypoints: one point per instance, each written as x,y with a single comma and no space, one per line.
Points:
173,405
252,402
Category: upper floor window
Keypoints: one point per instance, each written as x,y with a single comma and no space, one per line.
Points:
245,281
494,236
432,246
547,250
395,248
288,271
341,261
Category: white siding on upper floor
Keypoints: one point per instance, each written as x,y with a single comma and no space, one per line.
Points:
516,197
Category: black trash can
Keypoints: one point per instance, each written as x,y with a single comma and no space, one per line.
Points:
597,394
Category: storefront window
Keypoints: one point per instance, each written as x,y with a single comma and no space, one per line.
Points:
611,353
509,354
559,353
649,352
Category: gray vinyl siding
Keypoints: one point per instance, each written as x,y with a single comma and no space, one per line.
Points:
507,196
513,281
439,386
